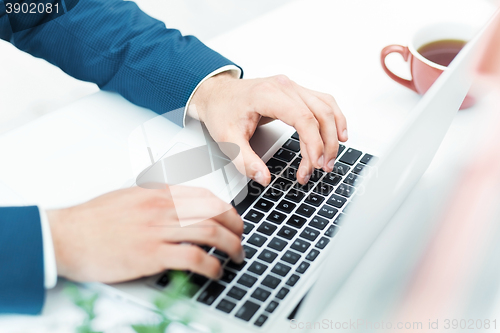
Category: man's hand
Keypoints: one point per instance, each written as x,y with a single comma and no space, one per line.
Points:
232,109
135,232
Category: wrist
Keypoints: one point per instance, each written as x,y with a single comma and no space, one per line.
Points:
56,218
207,92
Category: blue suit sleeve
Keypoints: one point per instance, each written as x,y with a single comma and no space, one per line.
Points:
117,46
21,261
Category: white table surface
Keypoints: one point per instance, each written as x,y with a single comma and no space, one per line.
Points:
328,45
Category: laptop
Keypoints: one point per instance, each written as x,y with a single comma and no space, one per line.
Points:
292,232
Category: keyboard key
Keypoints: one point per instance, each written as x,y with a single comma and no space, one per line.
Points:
205,248
290,257
276,217
293,280
254,216
247,280
226,306
282,293
253,191
350,156
267,256
247,227
309,234
318,222
314,199
277,244
271,281
358,168
339,219
341,149
305,210
263,205
323,189
341,168
228,276
275,166
300,245
345,190
312,255
322,243
352,179
296,163
295,136
198,280
316,175
304,188
331,231
267,228
290,173
332,179
295,195
249,251
302,267
164,280
273,194
261,294
257,268
237,267
257,240
221,254
284,155
286,206
211,292
247,311
281,269
327,211
282,184
368,158
272,306
336,201
260,320
296,221
236,293
292,145
287,232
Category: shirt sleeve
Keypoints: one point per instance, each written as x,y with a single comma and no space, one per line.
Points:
49,258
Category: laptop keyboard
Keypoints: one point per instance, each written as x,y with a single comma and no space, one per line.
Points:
286,227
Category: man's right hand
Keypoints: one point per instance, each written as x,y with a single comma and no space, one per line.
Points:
135,232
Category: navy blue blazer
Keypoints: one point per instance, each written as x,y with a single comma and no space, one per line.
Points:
117,46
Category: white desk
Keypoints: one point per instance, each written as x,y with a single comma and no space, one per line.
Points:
328,45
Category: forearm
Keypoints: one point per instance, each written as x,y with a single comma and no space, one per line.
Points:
21,261
120,48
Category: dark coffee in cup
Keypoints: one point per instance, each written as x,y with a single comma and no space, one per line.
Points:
442,52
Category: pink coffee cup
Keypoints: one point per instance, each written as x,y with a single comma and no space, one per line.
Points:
423,71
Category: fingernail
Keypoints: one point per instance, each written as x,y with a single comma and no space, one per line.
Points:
321,160
345,134
306,178
241,256
331,163
221,273
259,177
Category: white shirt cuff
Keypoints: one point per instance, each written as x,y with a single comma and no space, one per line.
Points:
226,68
49,257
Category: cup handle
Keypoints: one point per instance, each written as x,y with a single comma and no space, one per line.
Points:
405,52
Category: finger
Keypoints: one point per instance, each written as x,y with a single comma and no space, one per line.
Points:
191,258
327,127
208,232
294,112
250,164
340,119
305,167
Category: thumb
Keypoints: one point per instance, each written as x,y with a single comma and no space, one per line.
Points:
250,164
